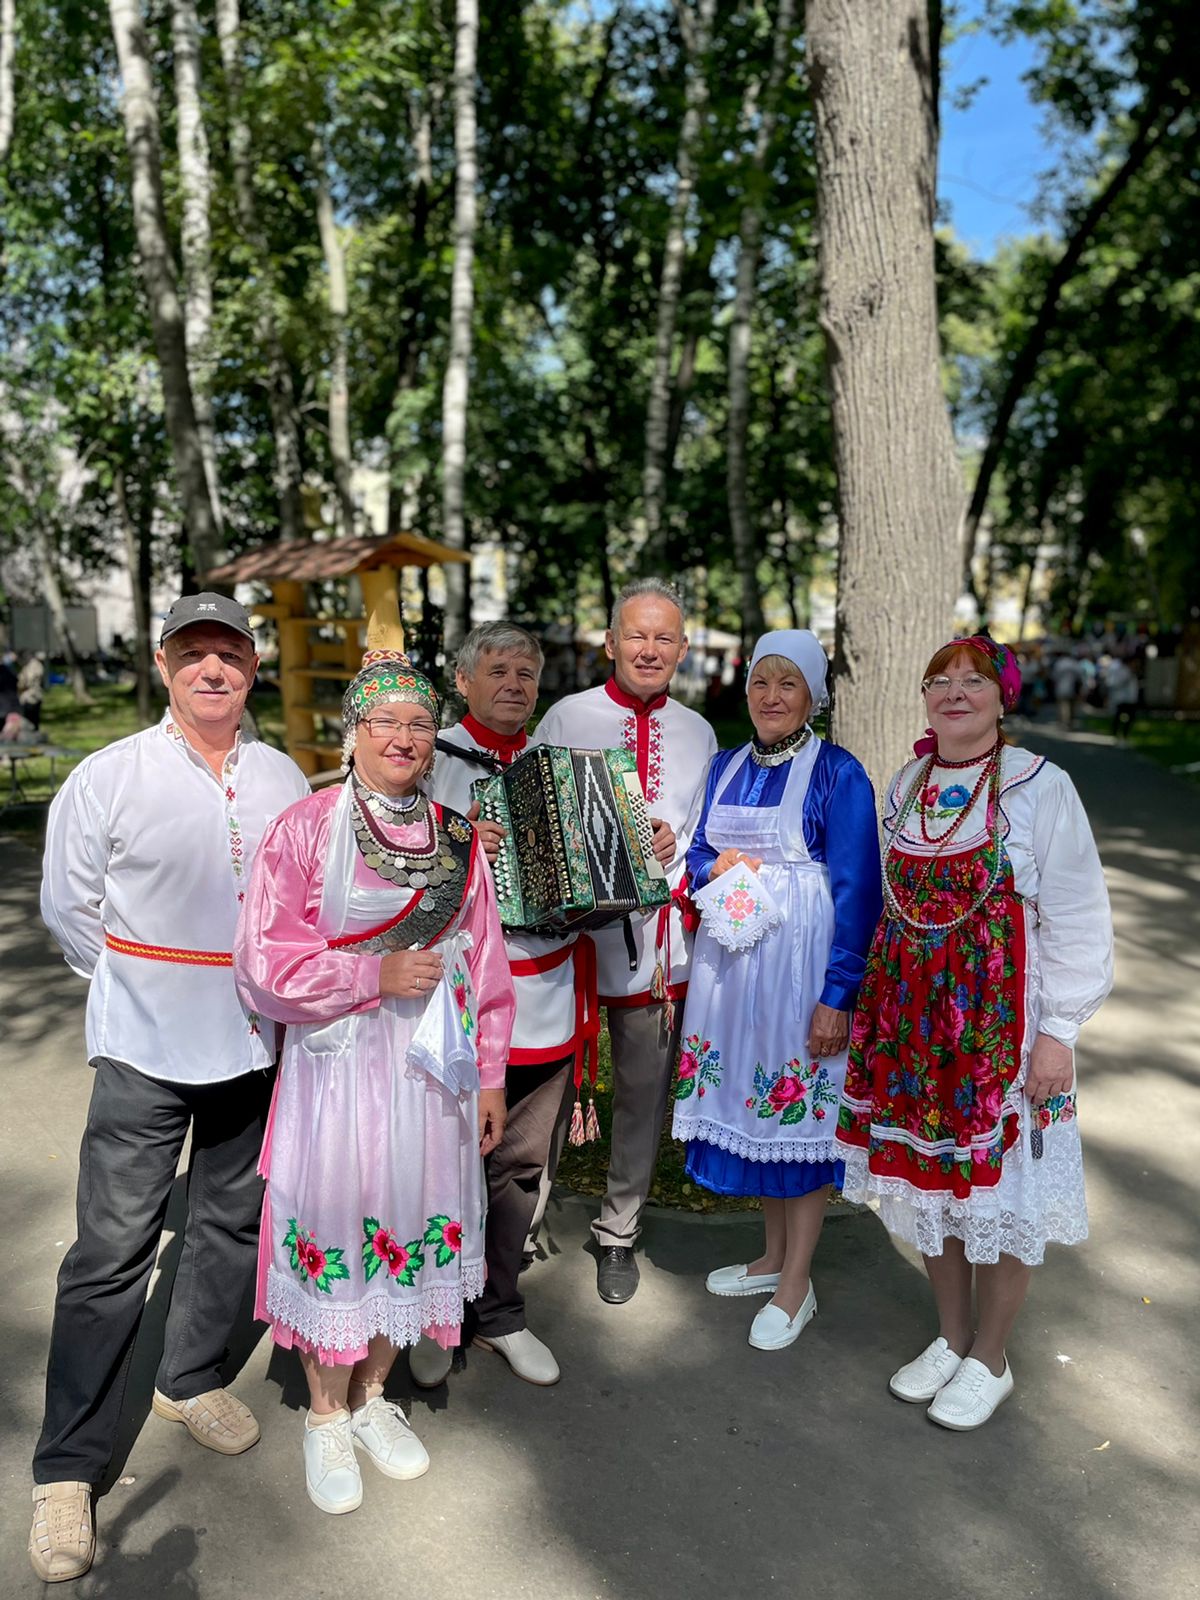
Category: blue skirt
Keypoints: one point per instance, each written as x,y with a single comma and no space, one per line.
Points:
724,1173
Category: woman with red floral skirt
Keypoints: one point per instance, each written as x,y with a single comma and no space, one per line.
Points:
995,945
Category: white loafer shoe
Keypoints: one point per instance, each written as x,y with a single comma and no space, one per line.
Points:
773,1329
970,1397
932,1370
384,1432
428,1364
526,1355
740,1280
331,1473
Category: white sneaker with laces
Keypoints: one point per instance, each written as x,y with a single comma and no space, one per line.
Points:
932,1370
331,1473
382,1430
971,1396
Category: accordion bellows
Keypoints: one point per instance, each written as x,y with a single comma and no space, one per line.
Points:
577,851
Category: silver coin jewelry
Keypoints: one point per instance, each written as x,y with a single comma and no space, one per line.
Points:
421,866
774,755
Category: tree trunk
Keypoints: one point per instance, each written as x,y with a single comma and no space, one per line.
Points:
900,490
285,425
745,543
339,370
55,604
196,236
8,45
402,494
455,388
697,32
160,281
136,538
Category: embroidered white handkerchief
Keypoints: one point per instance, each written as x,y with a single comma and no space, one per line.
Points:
737,908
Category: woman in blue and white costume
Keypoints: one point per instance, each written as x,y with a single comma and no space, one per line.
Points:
766,1028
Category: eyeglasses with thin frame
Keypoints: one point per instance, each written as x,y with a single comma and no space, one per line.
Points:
973,683
386,728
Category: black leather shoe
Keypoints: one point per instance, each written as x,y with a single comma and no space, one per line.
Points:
617,1275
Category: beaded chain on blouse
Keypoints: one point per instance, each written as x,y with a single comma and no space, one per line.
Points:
989,776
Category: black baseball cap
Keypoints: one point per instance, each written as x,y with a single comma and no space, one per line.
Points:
207,607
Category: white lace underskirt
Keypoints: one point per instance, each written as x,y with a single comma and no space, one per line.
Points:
1035,1203
350,1326
738,1144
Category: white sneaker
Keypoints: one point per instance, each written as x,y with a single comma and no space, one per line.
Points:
932,1370
428,1364
971,1396
382,1430
526,1355
773,1329
740,1280
331,1473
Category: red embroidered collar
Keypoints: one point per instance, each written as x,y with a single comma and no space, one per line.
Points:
507,746
640,708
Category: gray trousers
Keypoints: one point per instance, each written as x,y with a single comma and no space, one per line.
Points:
539,1101
643,1059
134,1137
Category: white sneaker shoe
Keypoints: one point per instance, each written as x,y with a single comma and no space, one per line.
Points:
773,1329
740,1280
971,1396
383,1431
428,1364
331,1473
526,1355
932,1370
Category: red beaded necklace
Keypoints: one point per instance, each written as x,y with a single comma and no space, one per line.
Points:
990,762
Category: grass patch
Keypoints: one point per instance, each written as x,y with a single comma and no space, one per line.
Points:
1171,741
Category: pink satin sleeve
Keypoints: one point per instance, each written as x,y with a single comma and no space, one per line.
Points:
487,960
282,965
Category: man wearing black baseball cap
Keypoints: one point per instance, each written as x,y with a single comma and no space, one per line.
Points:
148,850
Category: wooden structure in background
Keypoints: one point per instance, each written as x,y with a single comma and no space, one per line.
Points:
313,671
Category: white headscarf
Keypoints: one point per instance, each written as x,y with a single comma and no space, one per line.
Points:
804,648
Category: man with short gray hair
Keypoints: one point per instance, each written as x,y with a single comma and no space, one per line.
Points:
645,642
499,666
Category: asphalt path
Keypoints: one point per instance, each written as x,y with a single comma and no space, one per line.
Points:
672,1460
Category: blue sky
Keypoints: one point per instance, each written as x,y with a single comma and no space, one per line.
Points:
992,153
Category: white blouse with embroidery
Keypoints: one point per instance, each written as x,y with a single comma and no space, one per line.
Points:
146,846
1056,869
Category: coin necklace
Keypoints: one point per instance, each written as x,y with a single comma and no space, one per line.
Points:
419,866
774,755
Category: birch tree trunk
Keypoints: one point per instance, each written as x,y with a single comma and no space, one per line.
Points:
339,369
196,235
8,46
456,386
56,605
900,488
745,543
697,32
281,394
160,280
136,539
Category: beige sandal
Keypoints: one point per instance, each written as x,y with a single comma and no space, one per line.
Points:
62,1541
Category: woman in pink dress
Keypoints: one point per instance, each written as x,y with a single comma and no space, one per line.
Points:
370,929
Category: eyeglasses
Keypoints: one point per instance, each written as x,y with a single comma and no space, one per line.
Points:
973,683
385,728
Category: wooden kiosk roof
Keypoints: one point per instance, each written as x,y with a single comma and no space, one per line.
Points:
306,560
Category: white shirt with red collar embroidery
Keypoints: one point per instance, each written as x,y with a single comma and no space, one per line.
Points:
673,747
545,1024
146,847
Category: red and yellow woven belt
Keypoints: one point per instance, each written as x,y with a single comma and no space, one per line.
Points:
162,952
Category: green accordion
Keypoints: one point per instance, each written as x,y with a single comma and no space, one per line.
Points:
577,851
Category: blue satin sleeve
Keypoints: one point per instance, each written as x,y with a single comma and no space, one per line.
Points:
840,829
701,854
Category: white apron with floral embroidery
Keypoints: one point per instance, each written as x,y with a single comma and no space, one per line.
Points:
746,1080
375,1198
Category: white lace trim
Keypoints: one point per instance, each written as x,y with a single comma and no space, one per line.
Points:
987,1226
738,1144
349,1326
